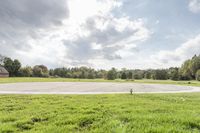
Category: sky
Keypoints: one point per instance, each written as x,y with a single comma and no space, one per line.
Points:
133,34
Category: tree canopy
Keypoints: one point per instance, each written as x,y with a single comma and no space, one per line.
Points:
190,70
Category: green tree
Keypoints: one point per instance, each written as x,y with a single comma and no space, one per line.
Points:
130,75
138,74
194,65
173,73
147,75
37,71
16,67
8,64
60,72
185,71
101,74
11,66
160,74
198,75
40,71
112,74
26,71
123,76
51,72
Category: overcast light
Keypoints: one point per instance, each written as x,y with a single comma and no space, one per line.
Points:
100,33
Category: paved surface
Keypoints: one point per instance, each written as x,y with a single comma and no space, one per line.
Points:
90,88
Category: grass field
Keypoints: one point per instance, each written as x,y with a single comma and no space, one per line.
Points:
15,80
100,113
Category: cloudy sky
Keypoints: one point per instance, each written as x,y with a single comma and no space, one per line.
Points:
100,33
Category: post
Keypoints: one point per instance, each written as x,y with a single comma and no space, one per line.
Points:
131,91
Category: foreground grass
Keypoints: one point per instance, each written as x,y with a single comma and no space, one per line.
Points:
100,113
16,80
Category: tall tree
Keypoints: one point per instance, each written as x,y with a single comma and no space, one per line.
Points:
112,74
8,64
123,76
185,71
194,65
26,71
147,75
16,67
173,73
40,71
198,75
12,66
130,75
160,74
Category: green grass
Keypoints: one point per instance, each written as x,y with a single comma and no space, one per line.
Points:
150,113
27,79
15,80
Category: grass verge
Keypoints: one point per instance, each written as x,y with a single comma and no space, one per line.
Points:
100,113
16,80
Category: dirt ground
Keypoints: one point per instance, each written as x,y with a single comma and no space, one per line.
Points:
90,88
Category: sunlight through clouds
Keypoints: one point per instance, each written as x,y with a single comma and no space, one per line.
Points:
99,32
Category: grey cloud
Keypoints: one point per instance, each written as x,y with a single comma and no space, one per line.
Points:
21,20
110,52
108,38
27,21
33,13
109,35
80,49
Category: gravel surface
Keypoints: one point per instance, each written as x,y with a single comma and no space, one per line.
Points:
90,88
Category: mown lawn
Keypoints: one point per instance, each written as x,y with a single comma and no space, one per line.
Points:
100,113
16,80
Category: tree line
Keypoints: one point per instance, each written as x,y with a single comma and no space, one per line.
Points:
190,70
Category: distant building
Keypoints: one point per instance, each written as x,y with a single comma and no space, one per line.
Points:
3,72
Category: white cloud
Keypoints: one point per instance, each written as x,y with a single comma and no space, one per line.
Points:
113,36
23,21
69,32
194,6
94,33
177,56
80,10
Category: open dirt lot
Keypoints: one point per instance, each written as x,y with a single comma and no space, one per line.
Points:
90,88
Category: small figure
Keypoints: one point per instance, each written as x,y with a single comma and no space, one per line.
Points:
131,91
